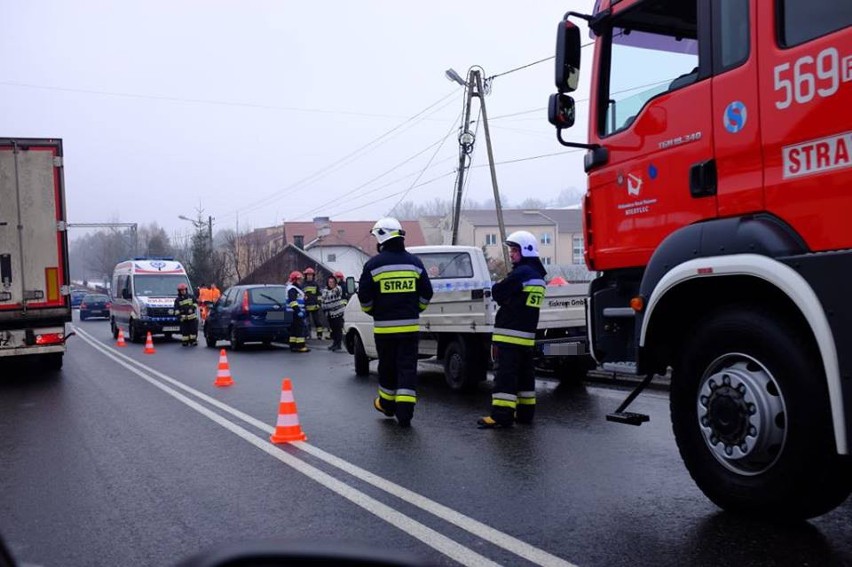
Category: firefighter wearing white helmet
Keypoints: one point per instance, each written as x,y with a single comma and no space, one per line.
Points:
519,296
394,288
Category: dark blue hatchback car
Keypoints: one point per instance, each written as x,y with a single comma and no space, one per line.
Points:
249,313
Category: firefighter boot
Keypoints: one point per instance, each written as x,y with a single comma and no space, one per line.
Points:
404,413
383,407
525,413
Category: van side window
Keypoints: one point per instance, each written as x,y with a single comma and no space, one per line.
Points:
804,20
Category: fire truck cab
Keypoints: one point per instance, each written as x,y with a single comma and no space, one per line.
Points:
717,215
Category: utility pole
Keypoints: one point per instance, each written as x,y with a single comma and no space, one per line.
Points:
474,88
210,231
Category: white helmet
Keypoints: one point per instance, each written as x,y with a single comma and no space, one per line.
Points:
525,241
387,228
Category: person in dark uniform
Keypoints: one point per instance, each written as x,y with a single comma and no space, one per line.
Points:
519,295
341,283
187,310
312,303
296,303
394,288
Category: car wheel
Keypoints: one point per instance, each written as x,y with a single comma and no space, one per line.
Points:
751,418
362,363
83,316
235,343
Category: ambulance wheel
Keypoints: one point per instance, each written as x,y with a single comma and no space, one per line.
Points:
362,363
113,328
134,332
751,418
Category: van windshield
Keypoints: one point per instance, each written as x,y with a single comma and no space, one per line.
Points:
158,286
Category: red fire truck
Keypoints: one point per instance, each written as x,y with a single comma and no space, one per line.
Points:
719,217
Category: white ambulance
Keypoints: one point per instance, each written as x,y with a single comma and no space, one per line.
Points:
143,297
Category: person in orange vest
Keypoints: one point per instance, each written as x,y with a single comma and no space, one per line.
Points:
203,301
214,293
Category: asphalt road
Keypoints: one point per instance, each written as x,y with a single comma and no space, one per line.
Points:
133,459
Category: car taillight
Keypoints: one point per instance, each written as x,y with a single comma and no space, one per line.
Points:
245,302
49,339
83,306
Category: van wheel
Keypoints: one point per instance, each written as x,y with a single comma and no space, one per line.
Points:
751,418
362,363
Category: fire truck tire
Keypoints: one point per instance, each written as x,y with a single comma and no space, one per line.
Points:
751,418
362,363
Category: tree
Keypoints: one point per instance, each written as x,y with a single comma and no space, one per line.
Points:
154,241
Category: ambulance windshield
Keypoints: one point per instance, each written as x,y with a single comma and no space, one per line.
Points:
158,286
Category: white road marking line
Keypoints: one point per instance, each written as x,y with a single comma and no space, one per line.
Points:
427,535
492,535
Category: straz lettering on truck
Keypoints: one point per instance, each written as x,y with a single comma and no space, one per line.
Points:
817,156
809,76
398,285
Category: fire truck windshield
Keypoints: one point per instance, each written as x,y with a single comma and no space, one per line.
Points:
649,53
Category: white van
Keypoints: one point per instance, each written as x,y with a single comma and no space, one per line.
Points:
143,296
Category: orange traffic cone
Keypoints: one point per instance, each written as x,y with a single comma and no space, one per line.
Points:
223,375
287,428
149,345
120,342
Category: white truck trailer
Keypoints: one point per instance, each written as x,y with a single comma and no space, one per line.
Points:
35,299
456,328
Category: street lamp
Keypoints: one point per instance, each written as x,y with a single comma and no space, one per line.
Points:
198,224
453,76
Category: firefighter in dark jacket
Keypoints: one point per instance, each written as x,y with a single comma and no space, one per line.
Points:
341,283
296,303
312,303
394,288
519,295
186,309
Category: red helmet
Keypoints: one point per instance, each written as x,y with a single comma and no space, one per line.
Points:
295,275
182,287
309,270
339,275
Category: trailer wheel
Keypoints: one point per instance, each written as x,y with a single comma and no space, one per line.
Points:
464,367
750,413
362,362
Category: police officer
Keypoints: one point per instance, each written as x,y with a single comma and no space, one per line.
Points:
312,303
394,288
187,311
296,303
519,296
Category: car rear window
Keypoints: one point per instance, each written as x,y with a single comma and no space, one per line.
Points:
269,295
95,298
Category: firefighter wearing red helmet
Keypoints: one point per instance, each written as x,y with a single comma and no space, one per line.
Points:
312,304
296,304
187,311
341,283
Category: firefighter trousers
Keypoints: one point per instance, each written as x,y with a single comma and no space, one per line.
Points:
513,397
189,330
398,373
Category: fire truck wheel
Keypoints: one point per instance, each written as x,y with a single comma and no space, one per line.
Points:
750,413
362,363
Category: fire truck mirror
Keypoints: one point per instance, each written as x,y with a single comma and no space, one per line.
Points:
567,57
560,110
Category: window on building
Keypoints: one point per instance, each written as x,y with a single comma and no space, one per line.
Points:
804,20
577,249
545,260
546,238
299,241
332,258
490,239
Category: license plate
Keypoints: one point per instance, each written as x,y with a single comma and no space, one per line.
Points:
276,316
171,329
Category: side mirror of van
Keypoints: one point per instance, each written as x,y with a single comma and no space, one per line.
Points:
350,285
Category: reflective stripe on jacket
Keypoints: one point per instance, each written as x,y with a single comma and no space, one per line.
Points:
394,288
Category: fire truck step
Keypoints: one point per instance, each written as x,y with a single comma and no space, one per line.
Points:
628,417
